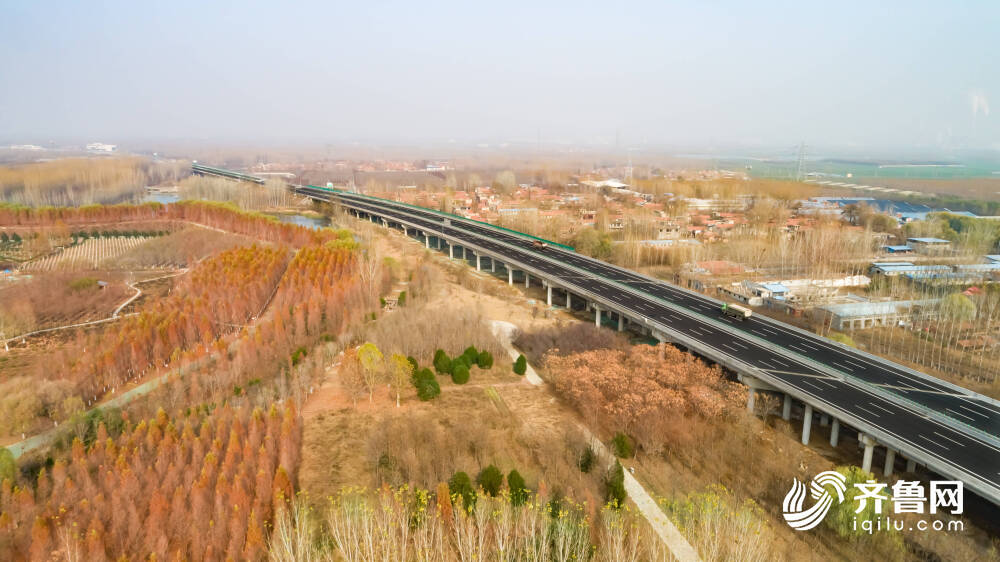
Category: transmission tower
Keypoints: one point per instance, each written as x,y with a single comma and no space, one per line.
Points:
800,169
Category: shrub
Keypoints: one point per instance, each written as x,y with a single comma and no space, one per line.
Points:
461,485
586,461
83,284
842,338
485,359
521,365
462,360
442,364
428,390
401,300
8,466
615,486
623,446
427,386
471,353
490,479
413,362
460,374
298,354
518,491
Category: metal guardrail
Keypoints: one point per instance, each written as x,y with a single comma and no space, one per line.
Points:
791,354
910,450
822,367
201,168
444,214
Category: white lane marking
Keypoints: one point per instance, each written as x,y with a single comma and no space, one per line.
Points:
973,411
845,367
959,414
767,364
799,349
977,405
866,410
929,440
949,439
730,348
880,408
812,385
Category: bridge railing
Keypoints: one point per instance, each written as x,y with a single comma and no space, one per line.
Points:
444,214
888,394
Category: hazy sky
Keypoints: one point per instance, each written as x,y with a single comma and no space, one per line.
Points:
687,74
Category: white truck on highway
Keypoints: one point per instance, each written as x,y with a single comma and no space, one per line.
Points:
736,311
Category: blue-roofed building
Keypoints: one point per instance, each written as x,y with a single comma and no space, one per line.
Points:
899,249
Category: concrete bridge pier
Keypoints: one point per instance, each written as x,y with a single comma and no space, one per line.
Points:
597,317
451,251
569,300
807,420
786,408
753,385
911,465
835,433
527,280
890,462
427,241
549,295
621,322
479,266
510,276
493,265
824,420
869,442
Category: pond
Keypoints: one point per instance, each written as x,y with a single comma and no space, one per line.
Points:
160,197
307,221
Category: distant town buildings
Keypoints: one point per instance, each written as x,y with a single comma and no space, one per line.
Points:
101,147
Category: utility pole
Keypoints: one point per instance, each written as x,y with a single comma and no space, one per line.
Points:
801,162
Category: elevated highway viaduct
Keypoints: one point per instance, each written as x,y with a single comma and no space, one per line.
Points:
913,417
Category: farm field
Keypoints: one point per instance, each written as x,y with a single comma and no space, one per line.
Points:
91,254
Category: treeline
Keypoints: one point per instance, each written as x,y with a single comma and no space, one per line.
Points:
642,392
80,181
205,482
221,295
455,522
273,193
196,487
216,215
270,359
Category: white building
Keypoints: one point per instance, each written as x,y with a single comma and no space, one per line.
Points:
101,147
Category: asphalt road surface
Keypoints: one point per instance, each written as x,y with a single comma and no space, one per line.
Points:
697,317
